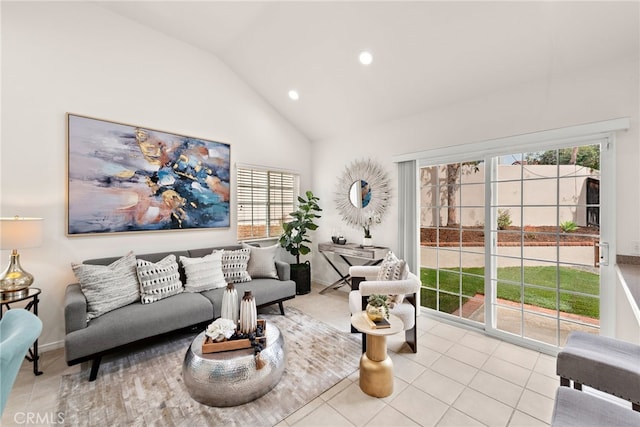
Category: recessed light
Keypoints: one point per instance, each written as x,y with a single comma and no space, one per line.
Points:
293,94
365,57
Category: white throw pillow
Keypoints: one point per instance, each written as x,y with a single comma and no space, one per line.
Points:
393,268
158,280
234,265
203,273
107,287
262,262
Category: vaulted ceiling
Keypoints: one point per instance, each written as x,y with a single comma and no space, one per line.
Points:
426,54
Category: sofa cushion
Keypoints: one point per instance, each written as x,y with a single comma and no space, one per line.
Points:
203,273
137,321
234,265
108,287
262,262
265,292
158,280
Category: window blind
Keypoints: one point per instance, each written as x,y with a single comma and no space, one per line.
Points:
265,199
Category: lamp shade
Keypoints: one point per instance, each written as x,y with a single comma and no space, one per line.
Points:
20,233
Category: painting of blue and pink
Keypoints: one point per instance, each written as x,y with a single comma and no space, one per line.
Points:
124,178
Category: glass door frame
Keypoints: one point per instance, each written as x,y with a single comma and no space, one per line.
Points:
598,132
607,218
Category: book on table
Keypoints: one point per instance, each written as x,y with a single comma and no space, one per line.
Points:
378,324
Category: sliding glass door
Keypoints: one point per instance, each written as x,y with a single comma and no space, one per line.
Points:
511,242
452,238
544,268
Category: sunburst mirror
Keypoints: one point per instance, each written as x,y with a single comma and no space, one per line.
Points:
363,192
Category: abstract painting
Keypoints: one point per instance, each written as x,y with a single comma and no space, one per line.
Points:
124,178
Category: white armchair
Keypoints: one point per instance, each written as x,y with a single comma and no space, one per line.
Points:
364,283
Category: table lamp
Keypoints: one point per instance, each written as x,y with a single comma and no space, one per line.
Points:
18,233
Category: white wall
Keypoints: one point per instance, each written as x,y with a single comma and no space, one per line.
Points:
606,92
79,58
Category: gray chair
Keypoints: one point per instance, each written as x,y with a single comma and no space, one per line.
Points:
606,364
574,408
19,329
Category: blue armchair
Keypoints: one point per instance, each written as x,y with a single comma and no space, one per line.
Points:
19,328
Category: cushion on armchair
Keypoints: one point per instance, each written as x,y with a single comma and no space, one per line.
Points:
393,268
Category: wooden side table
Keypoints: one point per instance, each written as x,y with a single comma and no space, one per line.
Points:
5,304
376,367
372,255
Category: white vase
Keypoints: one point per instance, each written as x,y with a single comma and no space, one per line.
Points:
230,304
367,241
248,313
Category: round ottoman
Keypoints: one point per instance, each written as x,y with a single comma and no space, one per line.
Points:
230,378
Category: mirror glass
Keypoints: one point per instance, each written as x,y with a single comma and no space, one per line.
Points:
360,194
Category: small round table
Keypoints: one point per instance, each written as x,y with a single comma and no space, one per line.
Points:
376,367
6,299
230,378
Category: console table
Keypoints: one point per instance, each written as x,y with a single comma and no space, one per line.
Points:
373,255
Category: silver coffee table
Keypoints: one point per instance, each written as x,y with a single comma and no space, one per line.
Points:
230,378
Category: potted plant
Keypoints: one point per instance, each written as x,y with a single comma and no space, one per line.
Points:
377,308
296,241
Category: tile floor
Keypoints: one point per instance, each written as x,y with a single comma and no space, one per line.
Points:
458,377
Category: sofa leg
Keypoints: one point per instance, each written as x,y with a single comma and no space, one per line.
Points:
564,382
635,407
281,308
577,386
95,365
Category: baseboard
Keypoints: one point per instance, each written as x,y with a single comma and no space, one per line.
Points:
43,348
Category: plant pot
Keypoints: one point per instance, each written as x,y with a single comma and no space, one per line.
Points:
301,274
376,314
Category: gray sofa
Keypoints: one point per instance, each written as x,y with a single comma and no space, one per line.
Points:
86,341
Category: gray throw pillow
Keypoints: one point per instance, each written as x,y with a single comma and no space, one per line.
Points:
203,273
234,265
158,280
262,262
107,287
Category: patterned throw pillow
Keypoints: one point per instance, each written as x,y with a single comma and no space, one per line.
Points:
203,273
158,280
262,262
393,268
234,265
107,287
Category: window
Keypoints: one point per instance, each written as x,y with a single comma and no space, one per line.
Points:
265,199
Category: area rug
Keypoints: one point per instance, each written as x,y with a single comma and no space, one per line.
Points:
145,387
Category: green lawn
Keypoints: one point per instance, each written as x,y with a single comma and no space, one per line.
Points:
539,290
